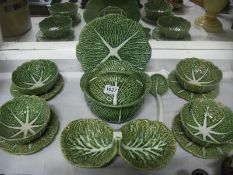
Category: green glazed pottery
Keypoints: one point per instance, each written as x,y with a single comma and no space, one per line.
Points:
147,144
207,122
112,10
41,37
65,9
56,26
88,143
159,86
156,9
36,145
35,77
212,152
159,36
173,27
92,143
115,95
95,8
198,75
179,91
23,119
113,37
15,92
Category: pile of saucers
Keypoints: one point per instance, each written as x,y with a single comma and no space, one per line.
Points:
37,77
195,78
26,125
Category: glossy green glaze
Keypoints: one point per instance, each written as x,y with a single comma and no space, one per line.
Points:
207,122
36,145
156,9
159,36
15,92
23,119
113,37
88,143
35,77
198,75
195,149
65,9
147,144
114,92
179,91
56,26
173,27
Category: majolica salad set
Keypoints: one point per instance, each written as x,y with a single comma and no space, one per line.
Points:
113,51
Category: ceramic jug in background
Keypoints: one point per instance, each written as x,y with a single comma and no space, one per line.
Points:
14,17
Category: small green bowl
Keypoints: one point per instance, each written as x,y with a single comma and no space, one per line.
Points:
64,9
156,9
198,75
56,26
207,122
35,77
173,27
24,119
115,95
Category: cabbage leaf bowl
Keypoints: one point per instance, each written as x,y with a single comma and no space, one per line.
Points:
173,27
154,10
207,122
198,75
65,9
35,77
56,26
23,119
114,92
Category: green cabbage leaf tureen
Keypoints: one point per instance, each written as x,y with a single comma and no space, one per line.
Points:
115,92
26,125
113,37
204,128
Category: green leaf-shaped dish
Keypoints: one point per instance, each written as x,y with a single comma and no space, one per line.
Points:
198,75
207,122
147,144
195,149
15,92
88,143
178,90
115,96
36,145
173,27
23,119
35,77
113,37
56,26
157,8
64,9
94,8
